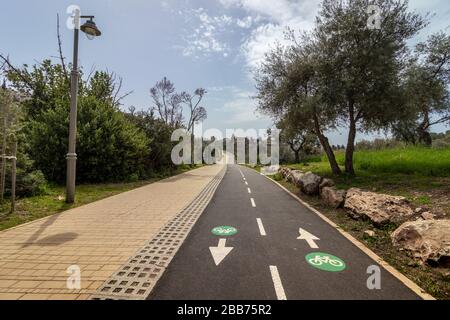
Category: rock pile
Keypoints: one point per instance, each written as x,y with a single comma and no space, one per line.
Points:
427,239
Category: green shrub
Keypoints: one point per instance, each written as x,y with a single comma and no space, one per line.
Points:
29,182
109,147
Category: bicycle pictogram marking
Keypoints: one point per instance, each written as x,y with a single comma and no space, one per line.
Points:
224,231
325,262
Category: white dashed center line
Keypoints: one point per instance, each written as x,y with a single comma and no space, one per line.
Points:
246,183
249,191
253,202
261,227
279,290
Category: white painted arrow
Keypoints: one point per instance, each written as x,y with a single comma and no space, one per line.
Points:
220,252
310,238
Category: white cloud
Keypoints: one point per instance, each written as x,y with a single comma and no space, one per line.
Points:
276,17
264,23
205,38
280,10
245,23
240,106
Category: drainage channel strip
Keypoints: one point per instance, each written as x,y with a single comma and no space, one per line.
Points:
138,276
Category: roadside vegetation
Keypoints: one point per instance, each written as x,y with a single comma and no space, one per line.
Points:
407,160
420,174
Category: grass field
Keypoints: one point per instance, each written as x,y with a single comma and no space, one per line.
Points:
53,201
420,174
410,160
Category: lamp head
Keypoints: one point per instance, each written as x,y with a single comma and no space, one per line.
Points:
90,29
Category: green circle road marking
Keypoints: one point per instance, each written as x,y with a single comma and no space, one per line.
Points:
325,261
224,231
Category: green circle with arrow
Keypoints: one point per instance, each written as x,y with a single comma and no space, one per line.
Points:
224,231
325,262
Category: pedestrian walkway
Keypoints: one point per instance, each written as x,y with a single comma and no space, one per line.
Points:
98,238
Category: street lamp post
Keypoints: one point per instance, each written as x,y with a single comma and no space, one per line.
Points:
91,31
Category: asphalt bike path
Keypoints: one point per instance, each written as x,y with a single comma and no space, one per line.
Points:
268,246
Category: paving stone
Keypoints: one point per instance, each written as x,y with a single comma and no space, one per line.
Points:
99,236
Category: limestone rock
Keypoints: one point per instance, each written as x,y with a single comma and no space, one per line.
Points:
309,183
379,208
428,240
326,183
333,197
295,177
427,215
284,171
370,233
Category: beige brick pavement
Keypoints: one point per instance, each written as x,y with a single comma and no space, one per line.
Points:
98,237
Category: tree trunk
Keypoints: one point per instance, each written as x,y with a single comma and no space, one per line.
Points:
425,138
330,154
350,149
326,147
351,142
297,156
422,130
3,165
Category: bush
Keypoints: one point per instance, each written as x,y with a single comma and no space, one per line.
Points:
29,182
109,147
379,144
158,161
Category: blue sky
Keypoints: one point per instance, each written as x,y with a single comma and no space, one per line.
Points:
195,43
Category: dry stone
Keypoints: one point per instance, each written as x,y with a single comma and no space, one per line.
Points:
379,208
426,240
333,197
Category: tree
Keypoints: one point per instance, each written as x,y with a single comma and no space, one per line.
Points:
426,83
158,134
167,103
109,146
290,86
298,138
361,66
29,181
197,113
